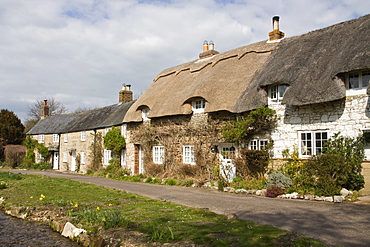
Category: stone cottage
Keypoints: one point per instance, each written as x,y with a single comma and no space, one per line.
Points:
70,136
317,83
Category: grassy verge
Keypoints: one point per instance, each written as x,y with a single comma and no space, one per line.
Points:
99,210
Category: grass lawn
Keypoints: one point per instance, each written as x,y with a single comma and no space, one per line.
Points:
100,210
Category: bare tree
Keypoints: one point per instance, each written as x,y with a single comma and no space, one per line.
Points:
34,111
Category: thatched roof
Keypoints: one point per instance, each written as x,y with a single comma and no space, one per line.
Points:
310,63
236,80
95,119
220,80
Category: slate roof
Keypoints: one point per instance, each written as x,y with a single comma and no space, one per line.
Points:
95,119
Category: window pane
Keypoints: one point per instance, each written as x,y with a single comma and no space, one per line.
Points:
282,89
273,92
306,144
354,80
365,79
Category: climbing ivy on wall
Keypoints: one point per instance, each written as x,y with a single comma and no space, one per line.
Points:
256,122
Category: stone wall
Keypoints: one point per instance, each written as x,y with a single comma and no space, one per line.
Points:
348,116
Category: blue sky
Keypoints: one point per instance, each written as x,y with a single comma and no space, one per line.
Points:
81,51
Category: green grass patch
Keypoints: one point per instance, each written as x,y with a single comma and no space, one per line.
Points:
98,209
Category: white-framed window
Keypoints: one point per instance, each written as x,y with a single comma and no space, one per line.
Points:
188,154
258,144
66,137
124,130
357,82
106,130
107,156
312,142
276,92
82,158
198,105
65,156
158,154
144,114
55,138
123,157
83,136
41,138
39,158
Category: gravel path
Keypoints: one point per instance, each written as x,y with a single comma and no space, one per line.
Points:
18,233
336,224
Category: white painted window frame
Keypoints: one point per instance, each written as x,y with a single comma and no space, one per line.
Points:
107,156
83,136
124,130
82,158
158,154
198,105
65,137
41,138
308,147
188,154
258,144
276,93
55,138
65,156
362,87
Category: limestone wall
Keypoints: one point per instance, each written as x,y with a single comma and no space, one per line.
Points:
348,116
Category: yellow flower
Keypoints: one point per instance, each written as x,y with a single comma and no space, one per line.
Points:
110,204
103,219
42,196
76,205
97,208
31,197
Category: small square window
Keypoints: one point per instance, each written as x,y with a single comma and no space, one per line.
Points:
276,92
55,138
83,136
312,142
198,105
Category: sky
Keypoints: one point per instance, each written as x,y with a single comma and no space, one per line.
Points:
81,52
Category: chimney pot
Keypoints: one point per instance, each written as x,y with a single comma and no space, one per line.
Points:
205,45
275,22
125,95
276,35
211,45
44,110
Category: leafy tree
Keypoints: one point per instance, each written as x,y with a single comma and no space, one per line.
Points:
34,111
11,130
257,121
114,141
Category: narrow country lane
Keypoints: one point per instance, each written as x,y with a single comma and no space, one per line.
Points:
337,224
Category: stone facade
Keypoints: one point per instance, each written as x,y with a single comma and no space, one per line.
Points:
349,116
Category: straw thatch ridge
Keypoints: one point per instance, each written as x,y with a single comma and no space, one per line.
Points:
219,80
89,120
310,65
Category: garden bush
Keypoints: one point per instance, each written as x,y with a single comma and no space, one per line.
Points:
274,191
252,163
278,179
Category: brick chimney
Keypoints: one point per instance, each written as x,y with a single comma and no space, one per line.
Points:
208,50
276,34
125,95
44,110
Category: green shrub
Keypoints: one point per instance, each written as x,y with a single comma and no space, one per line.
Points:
10,176
171,181
352,150
251,163
157,181
278,179
149,180
3,185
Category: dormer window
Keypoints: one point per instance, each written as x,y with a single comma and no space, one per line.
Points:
145,113
276,92
357,82
198,105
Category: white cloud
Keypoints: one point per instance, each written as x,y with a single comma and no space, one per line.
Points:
80,52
